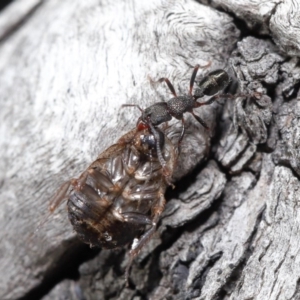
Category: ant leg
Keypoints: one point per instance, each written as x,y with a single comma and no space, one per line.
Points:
181,135
157,144
166,171
227,96
169,84
137,245
200,120
193,78
210,101
192,81
138,123
213,99
132,105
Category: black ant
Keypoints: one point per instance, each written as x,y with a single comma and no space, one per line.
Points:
161,112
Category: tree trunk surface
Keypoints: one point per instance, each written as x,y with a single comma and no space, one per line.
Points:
230,229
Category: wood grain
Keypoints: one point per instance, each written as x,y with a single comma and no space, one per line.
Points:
230,228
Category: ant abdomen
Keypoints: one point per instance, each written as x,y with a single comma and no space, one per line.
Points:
213,83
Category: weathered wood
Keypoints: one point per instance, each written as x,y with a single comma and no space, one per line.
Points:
230,228
279,19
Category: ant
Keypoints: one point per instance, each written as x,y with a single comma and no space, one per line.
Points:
161,112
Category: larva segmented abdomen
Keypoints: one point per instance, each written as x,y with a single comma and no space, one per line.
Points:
121,188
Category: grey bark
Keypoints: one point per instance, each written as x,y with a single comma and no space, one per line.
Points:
230,227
